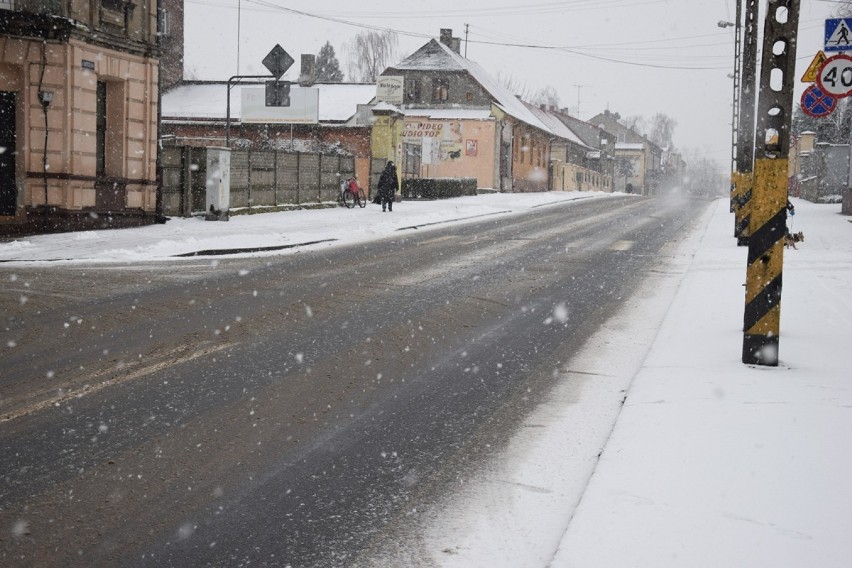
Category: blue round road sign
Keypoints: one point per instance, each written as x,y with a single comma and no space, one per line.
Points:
816,103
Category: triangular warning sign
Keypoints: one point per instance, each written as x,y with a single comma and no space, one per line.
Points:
810,75
841,38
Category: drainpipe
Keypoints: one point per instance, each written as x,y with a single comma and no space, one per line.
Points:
45,98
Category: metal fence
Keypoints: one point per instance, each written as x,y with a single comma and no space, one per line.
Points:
260,179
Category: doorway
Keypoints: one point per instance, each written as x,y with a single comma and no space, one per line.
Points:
8,153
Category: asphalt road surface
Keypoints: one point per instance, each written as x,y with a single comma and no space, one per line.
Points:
290,410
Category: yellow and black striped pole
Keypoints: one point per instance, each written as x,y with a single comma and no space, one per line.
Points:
762,320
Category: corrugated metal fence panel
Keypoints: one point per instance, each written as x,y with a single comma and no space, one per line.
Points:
263,178
309,190
258,178
172,189
288,179
330,178
239,178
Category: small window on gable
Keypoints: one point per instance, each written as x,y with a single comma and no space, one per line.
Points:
412,90
440,90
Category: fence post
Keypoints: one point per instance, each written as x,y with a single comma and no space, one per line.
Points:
319,177
186,182
298,179
275,176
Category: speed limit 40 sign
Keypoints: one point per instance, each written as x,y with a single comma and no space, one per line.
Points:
835,76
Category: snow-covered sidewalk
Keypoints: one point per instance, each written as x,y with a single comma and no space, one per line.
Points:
280,233
715,463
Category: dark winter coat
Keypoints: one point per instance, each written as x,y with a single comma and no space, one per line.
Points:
388,182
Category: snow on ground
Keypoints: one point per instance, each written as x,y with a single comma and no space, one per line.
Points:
292,228
709,462
715,463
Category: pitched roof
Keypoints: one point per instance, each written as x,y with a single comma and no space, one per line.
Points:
338,102
556,126
435,56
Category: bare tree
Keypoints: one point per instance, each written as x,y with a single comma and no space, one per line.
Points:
635,122
370,53
662,130
513,85
547,96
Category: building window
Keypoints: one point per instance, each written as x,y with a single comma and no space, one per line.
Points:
113,13
440,90
5,4
100,128
412,90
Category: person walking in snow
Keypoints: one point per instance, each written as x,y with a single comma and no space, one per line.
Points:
388,183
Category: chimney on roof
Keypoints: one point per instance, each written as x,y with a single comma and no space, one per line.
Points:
447,39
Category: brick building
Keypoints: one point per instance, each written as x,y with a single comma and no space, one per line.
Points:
78,114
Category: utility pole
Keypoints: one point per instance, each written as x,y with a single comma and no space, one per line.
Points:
768,216
743,179
737,78
466,30
578,98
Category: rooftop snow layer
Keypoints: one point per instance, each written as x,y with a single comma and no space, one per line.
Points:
338,102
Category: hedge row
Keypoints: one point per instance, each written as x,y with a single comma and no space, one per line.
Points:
437,188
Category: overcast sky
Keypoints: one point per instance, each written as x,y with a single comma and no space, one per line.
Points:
635,57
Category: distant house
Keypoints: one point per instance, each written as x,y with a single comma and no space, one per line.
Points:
452,119
574,165
78,114
630,167
646,179
602,159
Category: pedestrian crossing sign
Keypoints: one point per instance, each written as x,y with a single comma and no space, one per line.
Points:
838,34
810,75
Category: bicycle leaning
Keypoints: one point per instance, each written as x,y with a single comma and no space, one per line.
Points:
352,194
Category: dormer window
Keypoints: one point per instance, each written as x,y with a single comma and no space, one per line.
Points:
440,90
412,90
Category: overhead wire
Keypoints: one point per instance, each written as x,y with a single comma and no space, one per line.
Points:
676,61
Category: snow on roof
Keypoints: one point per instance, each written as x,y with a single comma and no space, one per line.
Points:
629,146
384,105
338,102
449,113
556,126
435,56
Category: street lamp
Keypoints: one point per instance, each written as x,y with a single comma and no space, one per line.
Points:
735,119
